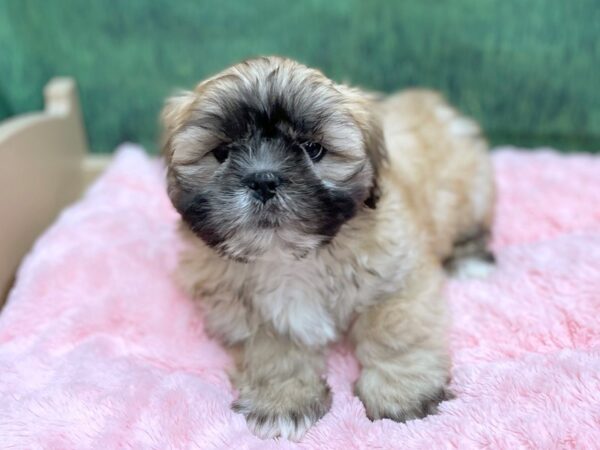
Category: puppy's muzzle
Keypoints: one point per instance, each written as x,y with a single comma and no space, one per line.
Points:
263,185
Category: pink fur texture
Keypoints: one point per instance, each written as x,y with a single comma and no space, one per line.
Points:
99,349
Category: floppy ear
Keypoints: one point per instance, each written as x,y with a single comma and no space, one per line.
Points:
174,114
377,152
364,112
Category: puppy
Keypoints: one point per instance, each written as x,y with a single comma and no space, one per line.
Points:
312,210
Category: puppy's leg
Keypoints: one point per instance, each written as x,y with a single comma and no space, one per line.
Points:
400,344
282,392
471,257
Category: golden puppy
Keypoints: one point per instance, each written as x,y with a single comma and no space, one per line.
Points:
312,209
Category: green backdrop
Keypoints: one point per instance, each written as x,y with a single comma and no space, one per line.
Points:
529,70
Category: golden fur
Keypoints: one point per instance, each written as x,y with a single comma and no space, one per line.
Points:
380,277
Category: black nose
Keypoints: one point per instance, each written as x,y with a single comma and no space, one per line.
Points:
263,184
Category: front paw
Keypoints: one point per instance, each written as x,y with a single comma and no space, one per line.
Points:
400,398
283,409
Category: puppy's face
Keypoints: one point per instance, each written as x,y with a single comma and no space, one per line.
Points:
270,156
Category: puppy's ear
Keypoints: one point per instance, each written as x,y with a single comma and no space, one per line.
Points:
364,112
377,153
176,111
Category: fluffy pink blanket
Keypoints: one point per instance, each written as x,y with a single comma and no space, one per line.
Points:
99,349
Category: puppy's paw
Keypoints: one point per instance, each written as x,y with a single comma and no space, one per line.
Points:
469,268
287,410
399,400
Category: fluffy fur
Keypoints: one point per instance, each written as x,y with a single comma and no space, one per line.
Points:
351,242
100,350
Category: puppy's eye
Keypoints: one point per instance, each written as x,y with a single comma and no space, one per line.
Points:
314,151
221,153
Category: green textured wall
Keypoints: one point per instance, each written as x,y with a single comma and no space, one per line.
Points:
527,69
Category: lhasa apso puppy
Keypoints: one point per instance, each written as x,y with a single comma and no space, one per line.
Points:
312,209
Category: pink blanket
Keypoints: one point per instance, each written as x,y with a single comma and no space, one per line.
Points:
99,349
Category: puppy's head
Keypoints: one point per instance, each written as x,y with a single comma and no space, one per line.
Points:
270,155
